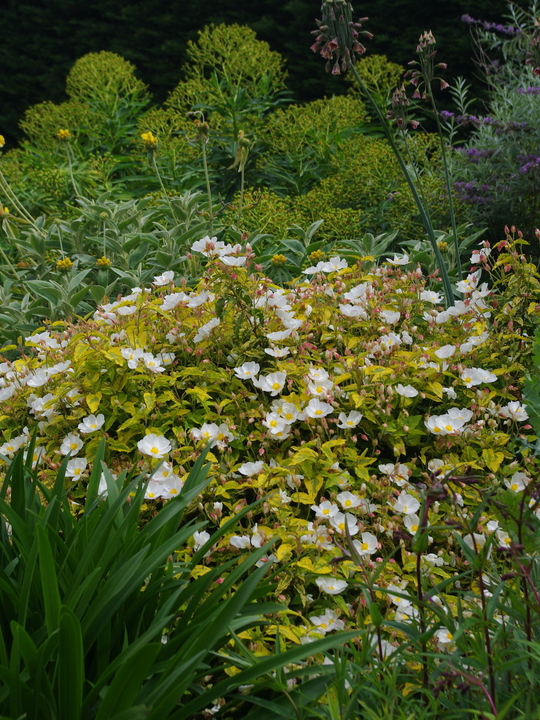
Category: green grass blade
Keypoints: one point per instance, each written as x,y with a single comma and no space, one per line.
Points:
49,580
70,668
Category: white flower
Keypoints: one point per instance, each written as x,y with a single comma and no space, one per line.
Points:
431,559
284,499
126,310
504,538
332,586
275,423
288,411
132,356
353,311
340,521
154,490
327,622
156,446
367,546
444,424
445,351
172,486
277,352
206,329
320,387
411,522
398,260
279,335
445,639
475,541
208,246
71,444
272,383
200,538
335,263
7,392
38,377
326,509
233,260
76,467
348,500
517,482
165,279
406,390
390,316
316,374
317,409
468,285
479,256
247,371
514,411
163,473
477,376
91,423
172,300
405,503
242,542
347,422
251,468
152,363
432,297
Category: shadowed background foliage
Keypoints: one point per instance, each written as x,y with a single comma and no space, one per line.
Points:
42,39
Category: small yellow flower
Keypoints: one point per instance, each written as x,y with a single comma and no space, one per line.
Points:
443,246
317,255
278,260
64,265
150,141
4,210
63,134
103,262
2,141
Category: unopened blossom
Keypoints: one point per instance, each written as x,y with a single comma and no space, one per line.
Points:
272,383
343,522
517,482
367,545
325,509
347,422
406,390
156,446
477,376
165,279
514,411
405,503
251,468
317,409
91,423
327,622
76,467
331,586
71,444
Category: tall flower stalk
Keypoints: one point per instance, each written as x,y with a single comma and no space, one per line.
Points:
337,40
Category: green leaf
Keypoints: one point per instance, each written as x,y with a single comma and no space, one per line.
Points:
49,581
70,669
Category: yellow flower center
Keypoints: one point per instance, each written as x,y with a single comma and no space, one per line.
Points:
154,450
364,546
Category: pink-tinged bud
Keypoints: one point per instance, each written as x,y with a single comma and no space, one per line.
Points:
444,85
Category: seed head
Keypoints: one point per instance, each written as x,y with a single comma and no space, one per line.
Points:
337,36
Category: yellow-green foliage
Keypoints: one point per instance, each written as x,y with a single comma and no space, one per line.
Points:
236,56
175,133
370,391
380,75
42,122
104,77
318,125
263,211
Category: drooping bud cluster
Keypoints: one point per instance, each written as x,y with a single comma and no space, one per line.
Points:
400,110
533,52
422,77
337,36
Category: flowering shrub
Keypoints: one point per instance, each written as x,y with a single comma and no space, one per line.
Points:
354,403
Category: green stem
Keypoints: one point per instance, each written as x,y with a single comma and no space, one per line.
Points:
163,190
241,200
70,166
208,189
426,220
13,199
448,188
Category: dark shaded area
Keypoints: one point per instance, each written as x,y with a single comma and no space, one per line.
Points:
42,40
